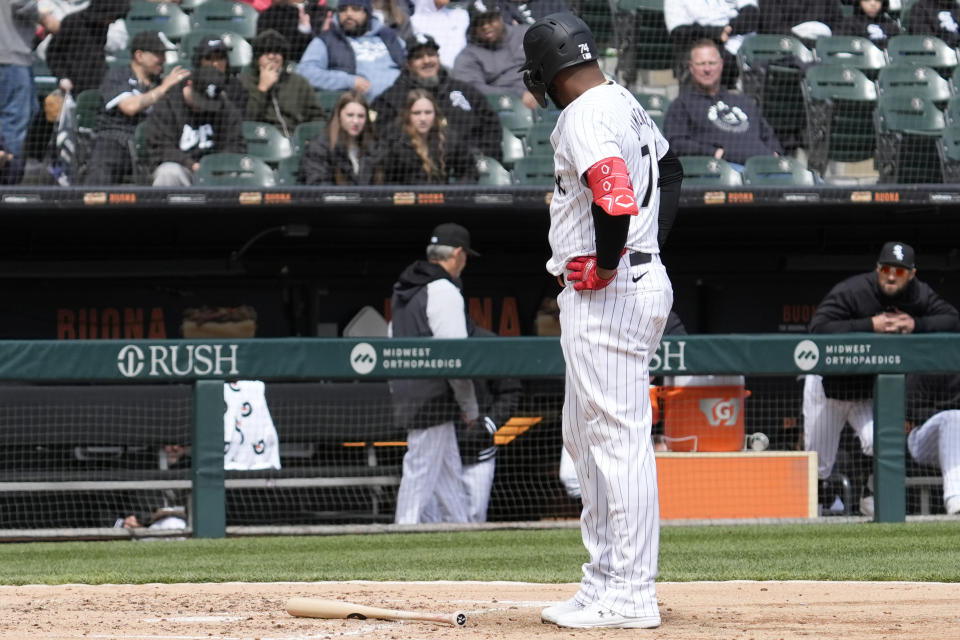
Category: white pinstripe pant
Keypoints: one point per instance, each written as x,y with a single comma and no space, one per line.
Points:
823,420
937,442
431,469
608,337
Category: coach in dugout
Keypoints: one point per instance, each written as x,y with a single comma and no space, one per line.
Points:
889,299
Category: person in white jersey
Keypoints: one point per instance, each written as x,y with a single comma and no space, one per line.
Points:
617,186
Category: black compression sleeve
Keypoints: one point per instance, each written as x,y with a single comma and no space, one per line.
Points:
611,236
671,178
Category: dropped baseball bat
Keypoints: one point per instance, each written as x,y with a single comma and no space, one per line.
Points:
319,608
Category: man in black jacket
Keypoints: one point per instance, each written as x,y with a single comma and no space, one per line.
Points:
76,51
889,299
708,120
469,116
190,123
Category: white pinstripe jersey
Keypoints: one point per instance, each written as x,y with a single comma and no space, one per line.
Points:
603,122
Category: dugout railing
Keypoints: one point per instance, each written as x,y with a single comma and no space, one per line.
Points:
199,368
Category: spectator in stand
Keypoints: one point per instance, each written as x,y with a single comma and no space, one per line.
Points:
524,12
939,18
470,119
259,5
726,23
426,152
129,92
190,123
807,20
274,94
356,52
870,20
707,119
294,20
445,24
212,51
347,151
76,54
18,100
492,59
395,14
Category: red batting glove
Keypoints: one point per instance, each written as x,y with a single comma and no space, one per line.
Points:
583,272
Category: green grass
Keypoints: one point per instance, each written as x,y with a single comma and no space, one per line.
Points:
914,551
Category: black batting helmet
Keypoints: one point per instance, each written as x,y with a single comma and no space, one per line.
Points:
553,43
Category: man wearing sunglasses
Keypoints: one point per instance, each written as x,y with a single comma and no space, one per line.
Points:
889,299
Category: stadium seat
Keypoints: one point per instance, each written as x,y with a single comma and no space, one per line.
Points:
234,169
927,50
537,142
776,171
914,80
328,99
305,132
166,17
266,142
770,70
224,15
851,51
654,104
953,111
649,46
139,151
948,147
839,102
546,115
908,128
511,147
240,52
904,17
513,114
707,171
89,106
190,5
287,170
491,172
534,171
43,79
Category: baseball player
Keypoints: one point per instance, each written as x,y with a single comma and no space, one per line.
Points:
933,404
889,299
608,158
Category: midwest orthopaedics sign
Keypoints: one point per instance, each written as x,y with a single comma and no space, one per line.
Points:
178,360
416,358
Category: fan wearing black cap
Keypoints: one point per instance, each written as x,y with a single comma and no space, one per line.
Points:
189,123
428,302
889,299
213,51
274,93
470,119
493,56
129,92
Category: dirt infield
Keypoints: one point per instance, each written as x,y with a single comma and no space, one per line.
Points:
756,610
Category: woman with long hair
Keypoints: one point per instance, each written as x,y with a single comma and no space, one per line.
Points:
346,152
424,153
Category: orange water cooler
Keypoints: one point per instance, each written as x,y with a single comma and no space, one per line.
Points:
703,413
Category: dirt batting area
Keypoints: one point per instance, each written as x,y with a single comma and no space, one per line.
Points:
508,610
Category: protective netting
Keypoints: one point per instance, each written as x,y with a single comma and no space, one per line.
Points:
803,100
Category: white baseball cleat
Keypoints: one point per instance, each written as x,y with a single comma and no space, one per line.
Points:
554,611
597,617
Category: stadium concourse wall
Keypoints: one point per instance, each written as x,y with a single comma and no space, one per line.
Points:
207,364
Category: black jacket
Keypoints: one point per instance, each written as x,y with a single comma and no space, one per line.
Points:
177,133
285,19
402,165
851,305
470,118
879,29
925,19
781,17
76,51
322,165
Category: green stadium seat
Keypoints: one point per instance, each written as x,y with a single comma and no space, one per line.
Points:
166,17
534,170
952,111
239,55
649,46
537,142
266,142
851,51
707,171
511,147
908,128
44,81
948,147
839,102
89,107
776,171
223,15
914,80
655,105
513,114
328,99
190,5
234,169
928,51
305,132
288,170
491,173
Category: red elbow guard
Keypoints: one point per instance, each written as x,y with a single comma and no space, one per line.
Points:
612,190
